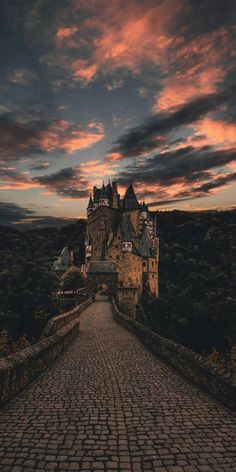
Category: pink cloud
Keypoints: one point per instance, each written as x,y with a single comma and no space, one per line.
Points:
66,32
83,70
61,135
180,89
215,133
125,35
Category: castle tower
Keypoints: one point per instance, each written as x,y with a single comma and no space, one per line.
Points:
131,207
103,199
122,233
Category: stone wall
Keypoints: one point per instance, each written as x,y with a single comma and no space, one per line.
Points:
218,383
62,320
18,370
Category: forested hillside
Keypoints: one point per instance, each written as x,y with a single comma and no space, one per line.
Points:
26,276
197,303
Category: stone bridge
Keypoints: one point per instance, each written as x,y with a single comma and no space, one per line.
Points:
109,404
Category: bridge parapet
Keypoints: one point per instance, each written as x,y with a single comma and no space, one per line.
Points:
18,370
62,320
217,382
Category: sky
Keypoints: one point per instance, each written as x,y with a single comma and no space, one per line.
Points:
132,91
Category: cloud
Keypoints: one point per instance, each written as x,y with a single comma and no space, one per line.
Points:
187,163
12,214
152,133
181,88
25,136
187,172
41,166
21,76
115,84
68,183
12,179
66,32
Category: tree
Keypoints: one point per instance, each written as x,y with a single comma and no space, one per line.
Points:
72,279
26,296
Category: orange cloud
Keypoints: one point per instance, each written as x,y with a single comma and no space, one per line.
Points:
125,35
83,70
66,32
97,170
180,89
61,136
199,67
215,132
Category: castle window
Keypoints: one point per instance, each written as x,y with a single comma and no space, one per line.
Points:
153,276
127,246
144,264
117,257
152,264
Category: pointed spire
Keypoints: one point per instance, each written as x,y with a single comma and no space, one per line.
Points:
130,199
103,191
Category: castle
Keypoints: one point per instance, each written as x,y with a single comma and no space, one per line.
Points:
122,249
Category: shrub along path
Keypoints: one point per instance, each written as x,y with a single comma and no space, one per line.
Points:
108,404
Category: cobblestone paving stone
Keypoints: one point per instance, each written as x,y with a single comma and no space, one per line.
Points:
108,404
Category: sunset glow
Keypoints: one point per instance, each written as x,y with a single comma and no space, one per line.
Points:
141,91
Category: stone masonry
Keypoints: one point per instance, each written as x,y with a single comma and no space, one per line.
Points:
108,404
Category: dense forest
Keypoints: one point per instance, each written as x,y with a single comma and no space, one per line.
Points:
197,303
27,279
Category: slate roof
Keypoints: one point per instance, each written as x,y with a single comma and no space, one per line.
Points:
144,249
102,267
128,232
130,201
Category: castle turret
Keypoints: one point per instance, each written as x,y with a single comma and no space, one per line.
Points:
103,200
130,200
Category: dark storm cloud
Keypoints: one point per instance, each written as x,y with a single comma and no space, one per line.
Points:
27,135
19,138
218,182
12,214
187,163
150,134
67,182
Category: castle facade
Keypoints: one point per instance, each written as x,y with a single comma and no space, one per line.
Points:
122,249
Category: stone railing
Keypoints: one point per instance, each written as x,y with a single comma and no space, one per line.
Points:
19,369
217,382
60,321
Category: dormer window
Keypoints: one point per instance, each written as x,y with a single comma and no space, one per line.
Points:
127,246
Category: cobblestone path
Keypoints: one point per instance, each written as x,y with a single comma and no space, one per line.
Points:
108,404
